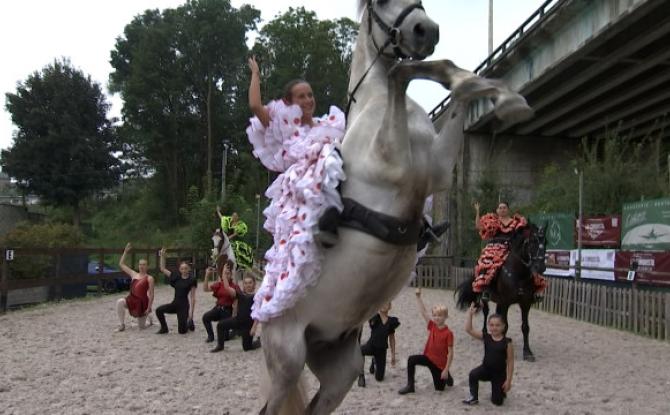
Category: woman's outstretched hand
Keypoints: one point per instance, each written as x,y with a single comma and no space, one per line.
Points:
253,66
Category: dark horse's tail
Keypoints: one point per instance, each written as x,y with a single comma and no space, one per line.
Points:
465,295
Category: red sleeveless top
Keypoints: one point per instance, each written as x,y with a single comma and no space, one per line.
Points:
138,299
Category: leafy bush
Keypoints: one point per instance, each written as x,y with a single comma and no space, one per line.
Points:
616,170
49,235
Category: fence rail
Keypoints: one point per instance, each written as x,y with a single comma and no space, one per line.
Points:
643,311
54,275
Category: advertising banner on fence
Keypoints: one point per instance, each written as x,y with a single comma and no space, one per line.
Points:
560,257
600,231
601,258
560,229
646,261
646,225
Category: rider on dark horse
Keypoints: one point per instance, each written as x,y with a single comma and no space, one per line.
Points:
498,229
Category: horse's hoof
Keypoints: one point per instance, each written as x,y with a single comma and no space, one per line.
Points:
512,108
528,357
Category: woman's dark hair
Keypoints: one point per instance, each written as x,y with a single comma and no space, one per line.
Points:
288,89
503,202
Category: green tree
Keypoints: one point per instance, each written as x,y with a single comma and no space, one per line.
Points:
298,45
178,72
616,170
63,149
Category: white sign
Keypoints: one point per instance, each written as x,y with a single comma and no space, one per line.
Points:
597,258
630,276
9,255
558,257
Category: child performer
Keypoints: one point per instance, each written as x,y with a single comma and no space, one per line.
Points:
382,334
439,351
498,364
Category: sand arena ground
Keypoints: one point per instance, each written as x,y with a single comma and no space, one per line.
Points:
66,359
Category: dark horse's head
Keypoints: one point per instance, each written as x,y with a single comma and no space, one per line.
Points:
531,248
526,257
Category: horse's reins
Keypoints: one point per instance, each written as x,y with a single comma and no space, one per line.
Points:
394,39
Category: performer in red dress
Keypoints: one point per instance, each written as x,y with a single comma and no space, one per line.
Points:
141,297
497,229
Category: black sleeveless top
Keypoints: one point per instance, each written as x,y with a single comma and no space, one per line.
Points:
495,353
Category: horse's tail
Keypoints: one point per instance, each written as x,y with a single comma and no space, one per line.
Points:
296,397
465,295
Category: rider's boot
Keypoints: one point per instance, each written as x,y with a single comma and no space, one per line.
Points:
328,222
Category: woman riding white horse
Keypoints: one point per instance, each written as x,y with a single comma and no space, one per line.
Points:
393,160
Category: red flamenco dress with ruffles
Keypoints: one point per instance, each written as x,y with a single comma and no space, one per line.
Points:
495,253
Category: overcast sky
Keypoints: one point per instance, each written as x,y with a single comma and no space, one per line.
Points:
34,32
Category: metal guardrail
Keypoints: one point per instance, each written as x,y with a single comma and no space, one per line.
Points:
505,47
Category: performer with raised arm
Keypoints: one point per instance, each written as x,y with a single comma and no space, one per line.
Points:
141,297
183,303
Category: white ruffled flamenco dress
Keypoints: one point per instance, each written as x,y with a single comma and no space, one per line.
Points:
311,171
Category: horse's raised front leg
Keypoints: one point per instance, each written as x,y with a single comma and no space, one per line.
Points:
465,87
284,348
336,365
525,329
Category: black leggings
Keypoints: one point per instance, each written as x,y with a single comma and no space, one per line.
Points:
215,314
242,327
379,357
181,309
497,379
422,360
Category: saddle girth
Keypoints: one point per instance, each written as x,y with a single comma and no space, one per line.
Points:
387,228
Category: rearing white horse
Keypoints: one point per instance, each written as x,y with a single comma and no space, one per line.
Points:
393,160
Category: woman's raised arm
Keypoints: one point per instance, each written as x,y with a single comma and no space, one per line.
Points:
255,100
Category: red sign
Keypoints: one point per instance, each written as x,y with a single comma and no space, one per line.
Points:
646,261
601,231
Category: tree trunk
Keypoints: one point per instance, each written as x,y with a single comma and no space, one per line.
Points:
209,136
76,217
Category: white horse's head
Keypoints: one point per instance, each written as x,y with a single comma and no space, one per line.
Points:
401,28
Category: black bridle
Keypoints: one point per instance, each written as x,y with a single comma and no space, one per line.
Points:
534,257
394,38
394,34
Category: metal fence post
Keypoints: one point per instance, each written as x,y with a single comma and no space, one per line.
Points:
101,270
4,281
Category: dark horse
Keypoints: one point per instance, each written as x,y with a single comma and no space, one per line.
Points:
513,284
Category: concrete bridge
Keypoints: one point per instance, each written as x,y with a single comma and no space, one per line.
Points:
587,67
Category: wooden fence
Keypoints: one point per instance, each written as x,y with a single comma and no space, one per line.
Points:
55,274
640,310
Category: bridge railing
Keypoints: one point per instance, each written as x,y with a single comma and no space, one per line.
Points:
641,310
505,47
